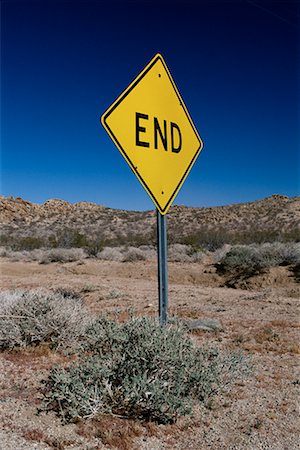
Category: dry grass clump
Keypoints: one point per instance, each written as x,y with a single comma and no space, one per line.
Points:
184,253
46,255
38,316
62,255
249,260
279,253
110,254
21,255
219,254
114,432
133,254
127,254
150,250
140,370
3,251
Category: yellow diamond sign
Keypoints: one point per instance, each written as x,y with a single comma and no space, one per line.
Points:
152,128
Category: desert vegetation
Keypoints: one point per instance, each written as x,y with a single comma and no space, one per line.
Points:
57,224
84,362
233,262
246,261
139,370
136,369
33,317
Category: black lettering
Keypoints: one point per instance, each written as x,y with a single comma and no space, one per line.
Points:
139,129
163,137
178,148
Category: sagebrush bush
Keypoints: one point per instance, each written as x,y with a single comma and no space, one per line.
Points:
138,369
3,251
214,238
22,255
125,254
184,253
110,254
254,259
46,256
39,316
62,255
179,253
150,251
219,254
133,254
278,253
245,260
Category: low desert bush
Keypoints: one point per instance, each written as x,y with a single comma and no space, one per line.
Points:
133,254
68,238
46,256
254,259
214,238
27,243
220,253
150,251
62,255
22,255
184,253
279,253
204,238
110,254
124,254
38,316
243,260
94,246
138,369
3,251
179,253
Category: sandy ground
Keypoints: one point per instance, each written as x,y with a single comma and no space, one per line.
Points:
263,320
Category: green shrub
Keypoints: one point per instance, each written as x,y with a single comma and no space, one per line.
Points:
254,259
103,336
38,316
20,243
140,370
94,247
280,254
68,238
242,260
215,238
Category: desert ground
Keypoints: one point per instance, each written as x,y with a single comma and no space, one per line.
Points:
260,318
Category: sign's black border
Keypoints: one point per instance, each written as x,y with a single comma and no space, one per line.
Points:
136,172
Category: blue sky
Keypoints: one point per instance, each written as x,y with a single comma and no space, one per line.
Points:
64,62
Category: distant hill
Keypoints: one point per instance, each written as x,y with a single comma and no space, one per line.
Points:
275,217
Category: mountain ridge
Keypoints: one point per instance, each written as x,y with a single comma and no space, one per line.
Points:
274,214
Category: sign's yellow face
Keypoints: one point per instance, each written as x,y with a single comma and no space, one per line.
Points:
152,128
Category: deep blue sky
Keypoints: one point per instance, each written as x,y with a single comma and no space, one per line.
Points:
64,63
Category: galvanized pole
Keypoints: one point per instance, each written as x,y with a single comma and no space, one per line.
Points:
162,267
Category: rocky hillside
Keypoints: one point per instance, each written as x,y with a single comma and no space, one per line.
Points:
275,217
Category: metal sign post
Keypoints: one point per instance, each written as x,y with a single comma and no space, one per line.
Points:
162,267
152,128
